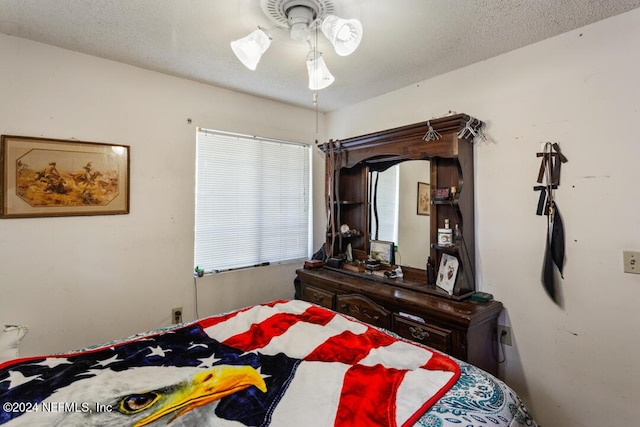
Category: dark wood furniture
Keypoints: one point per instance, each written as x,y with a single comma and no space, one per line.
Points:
349,161
408,306
463,329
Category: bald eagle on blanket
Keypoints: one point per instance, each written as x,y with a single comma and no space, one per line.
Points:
152,381
164,394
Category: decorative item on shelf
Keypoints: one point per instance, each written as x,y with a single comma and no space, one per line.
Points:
454,191
442,193
351,233
447,273
445,235
457,235
431,274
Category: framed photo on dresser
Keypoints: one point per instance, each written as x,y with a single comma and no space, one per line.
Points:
447,273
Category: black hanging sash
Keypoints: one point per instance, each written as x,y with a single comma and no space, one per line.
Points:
550,165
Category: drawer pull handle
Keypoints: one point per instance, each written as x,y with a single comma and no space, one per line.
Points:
358,310
418,333
318,297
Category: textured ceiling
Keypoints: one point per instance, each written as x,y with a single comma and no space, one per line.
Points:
405,41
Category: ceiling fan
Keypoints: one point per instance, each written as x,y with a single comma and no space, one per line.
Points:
302,18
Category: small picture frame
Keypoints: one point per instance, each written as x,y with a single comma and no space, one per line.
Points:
447,273
44,177
382,251
424,199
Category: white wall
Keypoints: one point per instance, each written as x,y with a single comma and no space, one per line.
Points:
78,281
575,364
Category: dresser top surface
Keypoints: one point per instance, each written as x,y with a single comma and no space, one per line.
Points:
373,288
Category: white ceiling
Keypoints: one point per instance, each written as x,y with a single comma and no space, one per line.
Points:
405,41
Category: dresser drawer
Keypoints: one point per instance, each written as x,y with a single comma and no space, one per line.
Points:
429,335
318,296
362,308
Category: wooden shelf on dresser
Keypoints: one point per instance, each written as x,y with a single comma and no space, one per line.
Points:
465,330
351,163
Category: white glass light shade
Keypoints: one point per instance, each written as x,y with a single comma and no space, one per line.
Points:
319,75
344,34
249,49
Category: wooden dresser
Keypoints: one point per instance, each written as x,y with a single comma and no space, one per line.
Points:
463,329
411,306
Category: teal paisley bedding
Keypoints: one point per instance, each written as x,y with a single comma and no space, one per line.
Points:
477,399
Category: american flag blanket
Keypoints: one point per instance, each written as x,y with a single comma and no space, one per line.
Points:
287,363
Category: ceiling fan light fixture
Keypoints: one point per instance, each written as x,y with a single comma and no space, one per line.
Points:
300,19
344,34
304,20
249,49
319,75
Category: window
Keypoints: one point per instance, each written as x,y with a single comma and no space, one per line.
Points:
252,201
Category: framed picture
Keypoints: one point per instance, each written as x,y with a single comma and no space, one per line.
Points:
382,251
52,177
447,273
424,199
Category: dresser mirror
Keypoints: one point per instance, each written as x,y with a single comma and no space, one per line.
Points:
437,154
397,219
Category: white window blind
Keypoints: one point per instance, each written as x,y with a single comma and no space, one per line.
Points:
252,201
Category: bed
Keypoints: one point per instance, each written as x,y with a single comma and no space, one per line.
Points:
285,363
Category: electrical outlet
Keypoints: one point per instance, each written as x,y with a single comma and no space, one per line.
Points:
504,332
631,261
176,315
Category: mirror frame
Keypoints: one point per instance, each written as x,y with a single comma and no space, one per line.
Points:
450,152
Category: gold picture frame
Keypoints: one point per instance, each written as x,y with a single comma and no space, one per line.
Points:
43,177
424,199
